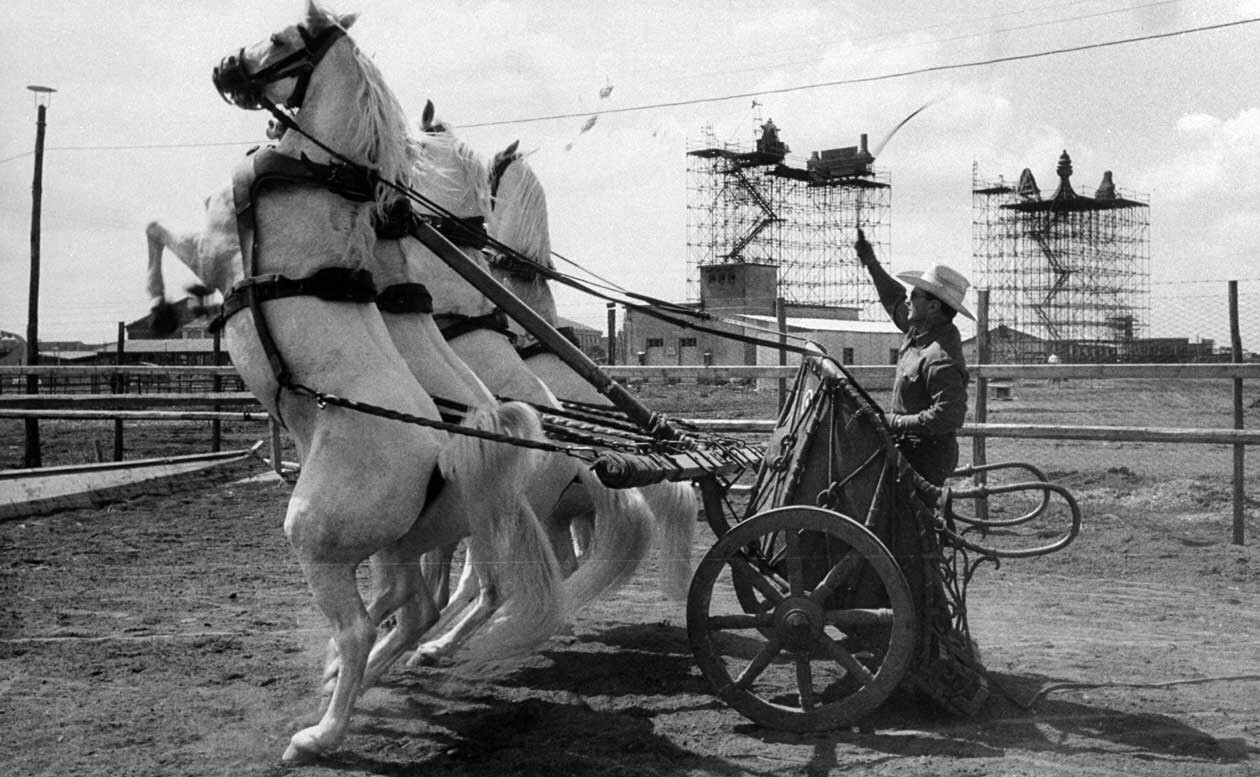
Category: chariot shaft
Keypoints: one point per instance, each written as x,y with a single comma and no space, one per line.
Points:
570,354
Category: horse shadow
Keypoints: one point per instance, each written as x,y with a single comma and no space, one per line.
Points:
535,719
1016,716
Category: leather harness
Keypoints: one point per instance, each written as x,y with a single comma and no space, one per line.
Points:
538,347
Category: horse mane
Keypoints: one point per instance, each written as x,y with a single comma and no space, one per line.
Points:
379,131
519,217
456,173
375,119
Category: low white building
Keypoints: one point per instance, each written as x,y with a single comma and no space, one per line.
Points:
847,341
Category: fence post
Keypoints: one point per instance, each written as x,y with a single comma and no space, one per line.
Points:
31,455
120,387
1235,340
780,316
612,333
216,385
978,453
276,463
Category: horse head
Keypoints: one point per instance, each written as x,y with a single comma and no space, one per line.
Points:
278,70
518,214
331,105
448,171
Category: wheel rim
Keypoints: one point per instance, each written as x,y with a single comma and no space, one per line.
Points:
826,643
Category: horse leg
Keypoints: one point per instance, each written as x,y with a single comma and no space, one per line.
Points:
506,530
467,619
413,609
477,599
436,567
336,593
398,589
184,246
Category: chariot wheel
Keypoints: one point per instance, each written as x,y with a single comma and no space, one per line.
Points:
833,631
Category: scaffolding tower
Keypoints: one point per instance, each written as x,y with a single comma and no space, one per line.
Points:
758,205
1068,275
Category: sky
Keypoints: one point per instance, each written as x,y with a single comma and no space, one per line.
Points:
136,132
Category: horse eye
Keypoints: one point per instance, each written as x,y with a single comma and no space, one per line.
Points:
277,40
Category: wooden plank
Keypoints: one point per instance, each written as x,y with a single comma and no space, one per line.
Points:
88,370
125,401
1035,431
874,373
28,492
136,415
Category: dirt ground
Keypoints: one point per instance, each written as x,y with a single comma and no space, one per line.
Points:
173,635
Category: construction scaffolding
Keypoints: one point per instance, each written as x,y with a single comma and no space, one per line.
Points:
1068,275
757,205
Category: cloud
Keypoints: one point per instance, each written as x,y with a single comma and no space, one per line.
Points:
1212,157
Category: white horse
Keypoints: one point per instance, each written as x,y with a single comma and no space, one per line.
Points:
365,486
451,176
518,219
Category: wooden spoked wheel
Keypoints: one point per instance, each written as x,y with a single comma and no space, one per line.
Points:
833,629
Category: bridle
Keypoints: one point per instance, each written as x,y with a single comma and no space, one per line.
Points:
237,86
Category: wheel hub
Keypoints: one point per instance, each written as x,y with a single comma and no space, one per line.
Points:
799,624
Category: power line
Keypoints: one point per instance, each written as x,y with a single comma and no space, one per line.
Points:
963,36
140,147
872,79
740,95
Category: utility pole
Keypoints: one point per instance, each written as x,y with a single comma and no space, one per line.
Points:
43,95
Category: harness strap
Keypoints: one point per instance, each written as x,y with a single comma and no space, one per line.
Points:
455,325
267,167
398,220
518,266
335,284
538,348
405,298
354,182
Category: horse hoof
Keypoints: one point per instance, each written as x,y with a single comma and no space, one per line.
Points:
303,747
428,658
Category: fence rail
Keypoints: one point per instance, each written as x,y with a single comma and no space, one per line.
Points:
862,372
216,406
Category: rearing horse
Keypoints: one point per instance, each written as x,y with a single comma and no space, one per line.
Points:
451,176
306,332
518,219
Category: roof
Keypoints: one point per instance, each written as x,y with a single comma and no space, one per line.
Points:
172,345
826,324
1004,333
576,325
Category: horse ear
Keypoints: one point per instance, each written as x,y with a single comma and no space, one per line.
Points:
510,150
347,21
426,118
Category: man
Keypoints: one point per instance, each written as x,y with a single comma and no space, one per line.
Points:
930,390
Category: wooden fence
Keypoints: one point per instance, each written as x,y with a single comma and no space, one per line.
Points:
178,402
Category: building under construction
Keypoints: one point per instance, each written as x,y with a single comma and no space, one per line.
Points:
752,205
1068,275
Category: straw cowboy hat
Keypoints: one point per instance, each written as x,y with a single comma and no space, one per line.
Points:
943,282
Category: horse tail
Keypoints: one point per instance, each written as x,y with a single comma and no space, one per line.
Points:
621,539
676,509
516,561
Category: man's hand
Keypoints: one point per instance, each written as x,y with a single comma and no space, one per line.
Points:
865,252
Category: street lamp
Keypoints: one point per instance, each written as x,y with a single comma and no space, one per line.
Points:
43,96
